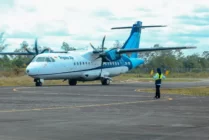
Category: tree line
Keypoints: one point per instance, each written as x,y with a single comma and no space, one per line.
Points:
175,59
170,59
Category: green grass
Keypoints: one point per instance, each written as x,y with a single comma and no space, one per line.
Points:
26,81
194,91
11,79
148,78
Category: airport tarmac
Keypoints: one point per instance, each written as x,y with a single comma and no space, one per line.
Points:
91,111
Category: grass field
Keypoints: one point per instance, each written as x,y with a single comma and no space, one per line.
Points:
10,79
195,91
24,80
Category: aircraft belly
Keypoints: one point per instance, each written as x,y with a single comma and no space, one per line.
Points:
115,71
91,75
83,75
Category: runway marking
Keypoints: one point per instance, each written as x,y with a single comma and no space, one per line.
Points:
170,99
78,94
21,89
14,89
81,106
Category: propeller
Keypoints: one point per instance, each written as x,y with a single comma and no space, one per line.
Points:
36,46
102,54
36,50
103,40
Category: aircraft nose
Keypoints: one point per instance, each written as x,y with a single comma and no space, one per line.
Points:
31,71
27,71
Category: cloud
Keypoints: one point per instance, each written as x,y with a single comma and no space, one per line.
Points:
53,28
20,34
80,22
9,3
202,9
193,33
194,20
198,34
102,13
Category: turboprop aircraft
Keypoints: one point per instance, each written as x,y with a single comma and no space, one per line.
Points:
91,64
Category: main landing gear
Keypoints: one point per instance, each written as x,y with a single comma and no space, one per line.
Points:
72,82
105,81
38,82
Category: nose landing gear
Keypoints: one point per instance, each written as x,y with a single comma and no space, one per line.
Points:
38,82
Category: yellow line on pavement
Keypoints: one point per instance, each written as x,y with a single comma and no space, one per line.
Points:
82,106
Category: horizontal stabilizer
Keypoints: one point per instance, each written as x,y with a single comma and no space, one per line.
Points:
154,49
142,27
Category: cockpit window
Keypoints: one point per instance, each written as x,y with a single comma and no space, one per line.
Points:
34,59
43,59
40,59
48,59
52,59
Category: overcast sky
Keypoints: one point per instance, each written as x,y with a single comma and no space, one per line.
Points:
79,22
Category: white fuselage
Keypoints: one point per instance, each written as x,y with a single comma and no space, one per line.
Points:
83,66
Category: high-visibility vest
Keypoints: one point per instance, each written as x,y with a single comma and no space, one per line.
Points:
159,77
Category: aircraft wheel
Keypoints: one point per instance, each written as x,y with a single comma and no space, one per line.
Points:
38,84
72,82
105,82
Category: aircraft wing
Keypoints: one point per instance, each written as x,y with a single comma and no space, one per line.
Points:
27,53
16,53
120,51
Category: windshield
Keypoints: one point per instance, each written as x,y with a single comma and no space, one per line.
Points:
43,59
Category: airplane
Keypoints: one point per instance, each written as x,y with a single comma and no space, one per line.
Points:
92,64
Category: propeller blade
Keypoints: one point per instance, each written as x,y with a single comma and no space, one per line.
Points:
45,50
93,47
28,50
30,60
36,46
103,43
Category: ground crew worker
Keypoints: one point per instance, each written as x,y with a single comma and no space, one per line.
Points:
158,79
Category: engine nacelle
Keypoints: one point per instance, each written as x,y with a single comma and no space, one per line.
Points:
112,55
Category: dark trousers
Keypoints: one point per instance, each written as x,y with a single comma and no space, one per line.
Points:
157,93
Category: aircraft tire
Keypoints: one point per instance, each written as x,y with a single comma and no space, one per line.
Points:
38,84
72,82
105,82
